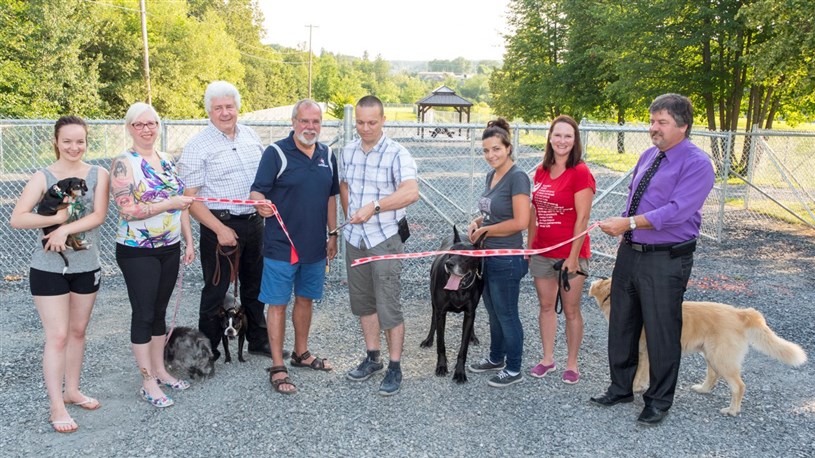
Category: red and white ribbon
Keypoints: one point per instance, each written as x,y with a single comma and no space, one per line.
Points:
474,253
293,257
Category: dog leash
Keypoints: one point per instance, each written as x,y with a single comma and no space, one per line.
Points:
475,253
563,283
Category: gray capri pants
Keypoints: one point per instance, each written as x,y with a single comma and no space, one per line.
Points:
375,287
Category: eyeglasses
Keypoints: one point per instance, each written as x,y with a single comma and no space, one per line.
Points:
141,125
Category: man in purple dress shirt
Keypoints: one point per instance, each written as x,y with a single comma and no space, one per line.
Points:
654,260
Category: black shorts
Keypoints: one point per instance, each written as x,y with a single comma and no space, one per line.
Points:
52,284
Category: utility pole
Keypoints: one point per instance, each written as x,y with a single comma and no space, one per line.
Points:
310,29
146,51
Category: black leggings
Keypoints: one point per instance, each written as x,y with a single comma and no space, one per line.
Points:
150,275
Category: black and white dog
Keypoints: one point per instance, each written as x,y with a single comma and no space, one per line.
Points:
234,322
56,198
188,352
455,286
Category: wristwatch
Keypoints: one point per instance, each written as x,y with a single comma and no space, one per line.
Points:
632,223
377,207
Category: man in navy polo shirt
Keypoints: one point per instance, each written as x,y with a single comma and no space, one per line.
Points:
299,175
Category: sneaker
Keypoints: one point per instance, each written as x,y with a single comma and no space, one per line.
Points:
571,377
541,370
486,365
391,383
365,370
503,379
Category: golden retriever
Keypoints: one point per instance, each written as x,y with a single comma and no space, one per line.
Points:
723,334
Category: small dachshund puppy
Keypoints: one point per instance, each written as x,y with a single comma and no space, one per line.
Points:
56,198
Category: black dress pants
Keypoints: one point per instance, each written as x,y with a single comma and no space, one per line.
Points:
250,272
647,290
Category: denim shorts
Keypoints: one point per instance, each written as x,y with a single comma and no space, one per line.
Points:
280,276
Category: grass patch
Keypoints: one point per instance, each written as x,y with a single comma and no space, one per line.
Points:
610,158
772,210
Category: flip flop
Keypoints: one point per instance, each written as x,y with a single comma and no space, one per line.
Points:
58,423
88,403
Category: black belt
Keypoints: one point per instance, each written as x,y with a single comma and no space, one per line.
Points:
225,215
646,248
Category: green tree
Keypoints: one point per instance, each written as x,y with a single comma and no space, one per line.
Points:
44,71
527,86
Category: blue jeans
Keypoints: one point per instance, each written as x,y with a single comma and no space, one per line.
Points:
502,285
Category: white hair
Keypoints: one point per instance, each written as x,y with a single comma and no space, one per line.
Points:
296,109
138,109
221,89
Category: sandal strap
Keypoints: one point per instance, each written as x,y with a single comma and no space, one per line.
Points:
277,369
318,363
303,356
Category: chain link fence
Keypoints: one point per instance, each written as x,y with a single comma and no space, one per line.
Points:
771,177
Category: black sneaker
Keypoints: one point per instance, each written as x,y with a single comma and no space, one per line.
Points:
365,370
391,383
485,365
503,379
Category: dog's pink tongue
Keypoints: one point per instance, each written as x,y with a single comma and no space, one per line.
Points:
453,282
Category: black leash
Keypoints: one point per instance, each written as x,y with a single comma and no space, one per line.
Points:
563,283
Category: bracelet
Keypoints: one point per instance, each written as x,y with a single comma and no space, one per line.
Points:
332,234
149,209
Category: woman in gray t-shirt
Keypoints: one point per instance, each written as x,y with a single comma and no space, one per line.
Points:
64,287
505,212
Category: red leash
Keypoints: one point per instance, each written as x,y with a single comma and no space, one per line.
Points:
293,257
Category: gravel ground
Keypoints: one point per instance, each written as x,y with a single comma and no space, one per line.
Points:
236,413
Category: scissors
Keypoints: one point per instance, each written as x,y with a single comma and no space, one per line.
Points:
337,230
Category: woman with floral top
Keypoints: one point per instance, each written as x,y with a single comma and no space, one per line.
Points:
153,216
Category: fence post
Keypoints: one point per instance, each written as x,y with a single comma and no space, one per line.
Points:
347,124
751,158
725,176
164,137
473,158
584,137
516,132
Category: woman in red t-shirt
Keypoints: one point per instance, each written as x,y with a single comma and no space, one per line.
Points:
561,201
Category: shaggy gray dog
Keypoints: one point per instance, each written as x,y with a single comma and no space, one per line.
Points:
189,352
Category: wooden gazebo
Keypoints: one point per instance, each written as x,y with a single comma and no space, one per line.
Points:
443,96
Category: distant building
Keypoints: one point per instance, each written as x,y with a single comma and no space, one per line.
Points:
440,76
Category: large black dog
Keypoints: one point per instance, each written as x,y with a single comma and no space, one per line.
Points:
56,198
455,286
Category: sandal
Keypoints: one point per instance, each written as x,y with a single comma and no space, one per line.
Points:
318,364
179,384
282,381
162,402
88,403
57,424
